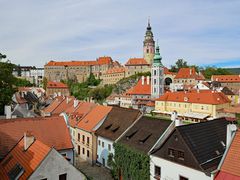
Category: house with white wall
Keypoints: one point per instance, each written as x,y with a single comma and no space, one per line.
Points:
191,151
118,121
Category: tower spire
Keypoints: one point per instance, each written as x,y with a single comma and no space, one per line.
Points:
148,21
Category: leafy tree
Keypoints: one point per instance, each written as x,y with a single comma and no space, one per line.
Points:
180,63
101,93
209,71
22,83
45,83
92,81
7,83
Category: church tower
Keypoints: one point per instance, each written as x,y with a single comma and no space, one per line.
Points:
157,75
148,45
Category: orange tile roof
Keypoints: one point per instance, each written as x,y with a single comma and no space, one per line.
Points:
68,101
56,102
231,163
81,111
202,97
141,89
99,61
52,84
136,61
29,159
52,131
166,71
116,70
226,78
94,117
188,73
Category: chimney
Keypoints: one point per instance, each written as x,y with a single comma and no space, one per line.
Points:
8,112
28,140
142,80
174,117
67,100
148,79
75,103
231,129
190,71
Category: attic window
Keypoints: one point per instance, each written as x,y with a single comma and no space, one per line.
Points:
131,135
185,99
115,129
16,172
107,127
145,139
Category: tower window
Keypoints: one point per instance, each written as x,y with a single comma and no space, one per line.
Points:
147,50
155,72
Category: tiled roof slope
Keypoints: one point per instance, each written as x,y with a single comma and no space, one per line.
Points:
54,104
226,78
117,121
145,133
52,84
93,118
189,73
204,140
116,70
68,101
140,88
99,61
29,159
194,96
136,61
52,131
231,163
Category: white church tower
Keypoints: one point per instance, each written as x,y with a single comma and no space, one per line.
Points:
157,75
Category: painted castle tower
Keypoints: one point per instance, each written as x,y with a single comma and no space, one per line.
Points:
148,45
157,75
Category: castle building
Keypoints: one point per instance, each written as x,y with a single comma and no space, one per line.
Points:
157,75
148,45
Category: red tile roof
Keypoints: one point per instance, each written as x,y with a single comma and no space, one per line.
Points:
51,131
166,71
231,163
29,159
68,101
56,102
226,78
116,70
99,61
81,111
136,61
189,73
97,114
140,88
52,84
193,96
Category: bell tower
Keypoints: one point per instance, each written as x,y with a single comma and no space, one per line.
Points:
157,75
148,45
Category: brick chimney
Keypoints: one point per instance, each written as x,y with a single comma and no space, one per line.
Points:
28,140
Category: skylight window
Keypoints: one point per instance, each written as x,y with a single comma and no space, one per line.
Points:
15,172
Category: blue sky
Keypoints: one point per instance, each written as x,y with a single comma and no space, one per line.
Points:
203,32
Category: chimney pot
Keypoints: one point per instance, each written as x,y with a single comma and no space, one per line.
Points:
28,140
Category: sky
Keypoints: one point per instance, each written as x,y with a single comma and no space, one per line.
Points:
203,33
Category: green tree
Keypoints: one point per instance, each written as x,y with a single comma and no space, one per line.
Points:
7,83
45,81
22,83
180,63
209,71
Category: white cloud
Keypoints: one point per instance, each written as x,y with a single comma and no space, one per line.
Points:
203,32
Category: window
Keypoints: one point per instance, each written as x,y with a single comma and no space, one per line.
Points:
155,72
171,152
83,138
87,140
103,144
181,155
83,151
63,176
157,172
155,81
79,149
182,178
88,153
16,172
99,142
79,137
109,147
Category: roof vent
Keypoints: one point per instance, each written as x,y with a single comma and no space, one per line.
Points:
217,152
185,99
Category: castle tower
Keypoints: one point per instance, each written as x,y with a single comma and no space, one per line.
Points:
148,45
157,75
